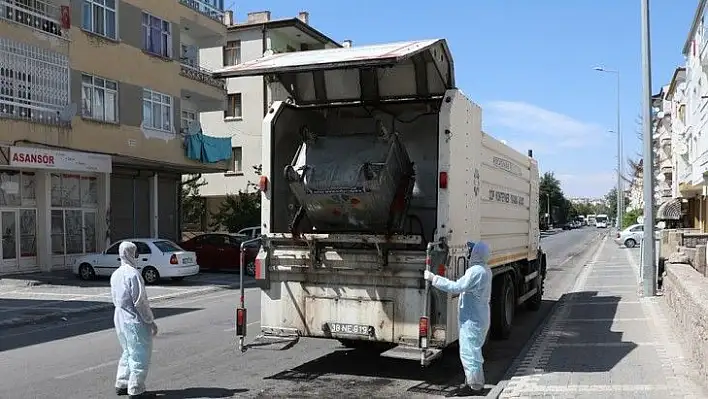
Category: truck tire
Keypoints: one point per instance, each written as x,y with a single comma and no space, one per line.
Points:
503,306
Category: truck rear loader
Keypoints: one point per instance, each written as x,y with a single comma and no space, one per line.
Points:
375,168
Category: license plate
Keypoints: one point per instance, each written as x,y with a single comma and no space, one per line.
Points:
187,261
351,329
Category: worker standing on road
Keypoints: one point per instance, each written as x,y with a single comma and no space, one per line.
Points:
475,289
135,324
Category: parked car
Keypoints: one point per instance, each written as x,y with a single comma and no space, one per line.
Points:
632,235
157,258
250,232
221,251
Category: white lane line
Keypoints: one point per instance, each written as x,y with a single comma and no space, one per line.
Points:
87,369
103,318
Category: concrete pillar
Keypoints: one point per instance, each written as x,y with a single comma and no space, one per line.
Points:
154,208
103,219
700,259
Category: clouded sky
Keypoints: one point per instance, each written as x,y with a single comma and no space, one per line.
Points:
529,65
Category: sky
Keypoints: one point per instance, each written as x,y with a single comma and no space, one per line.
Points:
529,65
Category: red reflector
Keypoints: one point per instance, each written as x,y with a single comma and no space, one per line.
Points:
258,272
441,270
427,261
443,179
423,327
241,321
173,260
263,183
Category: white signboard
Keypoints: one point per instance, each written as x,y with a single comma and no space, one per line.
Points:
42,158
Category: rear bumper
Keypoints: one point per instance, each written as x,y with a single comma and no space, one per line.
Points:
181,271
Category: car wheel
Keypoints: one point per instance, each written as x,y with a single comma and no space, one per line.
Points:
151,275
630,243
251,269
86,272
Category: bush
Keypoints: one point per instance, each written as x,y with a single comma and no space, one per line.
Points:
630,218
238,211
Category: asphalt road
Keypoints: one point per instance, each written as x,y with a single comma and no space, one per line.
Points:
196,357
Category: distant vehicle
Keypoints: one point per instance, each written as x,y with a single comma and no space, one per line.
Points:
222,251
590,219
601,221
250,232
157,258
631,236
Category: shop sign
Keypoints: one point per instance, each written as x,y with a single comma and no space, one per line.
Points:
41,158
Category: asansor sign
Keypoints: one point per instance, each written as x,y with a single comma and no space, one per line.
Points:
41,158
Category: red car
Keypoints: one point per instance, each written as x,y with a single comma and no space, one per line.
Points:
220,251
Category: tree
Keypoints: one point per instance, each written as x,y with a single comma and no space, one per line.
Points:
550,189
193,206
238,211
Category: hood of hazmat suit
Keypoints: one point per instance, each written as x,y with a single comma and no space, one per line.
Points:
475,289
133,319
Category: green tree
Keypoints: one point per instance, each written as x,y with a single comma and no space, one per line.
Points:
192,204
611,201
238,211
550,190
630,218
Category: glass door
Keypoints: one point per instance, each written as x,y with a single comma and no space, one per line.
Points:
10,232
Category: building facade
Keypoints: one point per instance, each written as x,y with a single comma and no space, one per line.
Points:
249,97
96,102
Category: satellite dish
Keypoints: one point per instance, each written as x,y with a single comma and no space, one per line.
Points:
681,148
661,177
660,114
503,142
640,219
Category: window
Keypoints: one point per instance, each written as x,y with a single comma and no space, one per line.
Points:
236,160
17,188
157,36
99,17
167,246
28,232
74,199
34,14
113,250
142,248
233,108
34,82
157,110
99,98
188,119
232,53
637,228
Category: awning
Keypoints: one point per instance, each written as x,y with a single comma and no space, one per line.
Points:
670,210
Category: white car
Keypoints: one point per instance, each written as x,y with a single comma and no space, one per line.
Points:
157,258
632,235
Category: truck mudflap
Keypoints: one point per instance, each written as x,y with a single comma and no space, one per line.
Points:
405,352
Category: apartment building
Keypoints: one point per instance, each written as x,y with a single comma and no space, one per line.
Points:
249,97
662,134
98,100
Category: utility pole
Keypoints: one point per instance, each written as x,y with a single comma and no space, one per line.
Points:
548,205
648,265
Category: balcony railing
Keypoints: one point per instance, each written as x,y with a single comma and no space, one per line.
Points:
201,75
36,14
204,8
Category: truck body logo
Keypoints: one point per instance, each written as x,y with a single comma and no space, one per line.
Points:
505,198
506,165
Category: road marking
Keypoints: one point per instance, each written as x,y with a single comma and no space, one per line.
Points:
103,318
87,369
604,344
586,320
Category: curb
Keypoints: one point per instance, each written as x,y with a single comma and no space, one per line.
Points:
23,321
511,371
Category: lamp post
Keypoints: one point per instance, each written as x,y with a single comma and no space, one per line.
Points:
648,264
620,197
548,206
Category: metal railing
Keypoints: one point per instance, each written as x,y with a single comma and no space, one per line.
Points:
35,14
201,75
205,9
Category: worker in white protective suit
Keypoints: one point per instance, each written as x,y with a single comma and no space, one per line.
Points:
475,289
135,324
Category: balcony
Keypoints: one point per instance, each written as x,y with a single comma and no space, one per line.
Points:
35,14
201,75
205,8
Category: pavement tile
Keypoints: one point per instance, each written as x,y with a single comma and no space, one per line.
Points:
604,341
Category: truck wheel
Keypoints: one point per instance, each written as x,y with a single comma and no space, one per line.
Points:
534,303
503,306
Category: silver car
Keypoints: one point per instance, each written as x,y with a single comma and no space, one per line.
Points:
632,235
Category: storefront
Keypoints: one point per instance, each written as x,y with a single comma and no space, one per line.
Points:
53,208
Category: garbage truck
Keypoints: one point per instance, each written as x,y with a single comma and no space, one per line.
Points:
375,168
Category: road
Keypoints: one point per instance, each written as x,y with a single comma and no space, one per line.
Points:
195,355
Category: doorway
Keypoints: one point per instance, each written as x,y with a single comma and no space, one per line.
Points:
9,226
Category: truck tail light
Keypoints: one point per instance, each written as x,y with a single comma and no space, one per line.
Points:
173,260
263,183
443,180
241,322
258,273
441,269
423,324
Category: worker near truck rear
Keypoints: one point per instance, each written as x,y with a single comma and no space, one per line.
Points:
134,322
475,289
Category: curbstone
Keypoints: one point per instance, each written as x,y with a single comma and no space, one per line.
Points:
26,320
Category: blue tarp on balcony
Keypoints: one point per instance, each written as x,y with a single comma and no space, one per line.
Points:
207,149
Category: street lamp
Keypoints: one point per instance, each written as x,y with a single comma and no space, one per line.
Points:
620,197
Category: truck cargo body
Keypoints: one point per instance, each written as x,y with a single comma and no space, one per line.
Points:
348,227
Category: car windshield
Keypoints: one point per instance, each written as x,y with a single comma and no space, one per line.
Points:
167,246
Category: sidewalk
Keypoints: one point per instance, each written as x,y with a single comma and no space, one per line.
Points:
32,298
605,341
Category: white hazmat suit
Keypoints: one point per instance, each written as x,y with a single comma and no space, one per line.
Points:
475,289
134,322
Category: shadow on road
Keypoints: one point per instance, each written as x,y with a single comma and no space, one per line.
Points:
443,377
199,393
60,328
66,278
